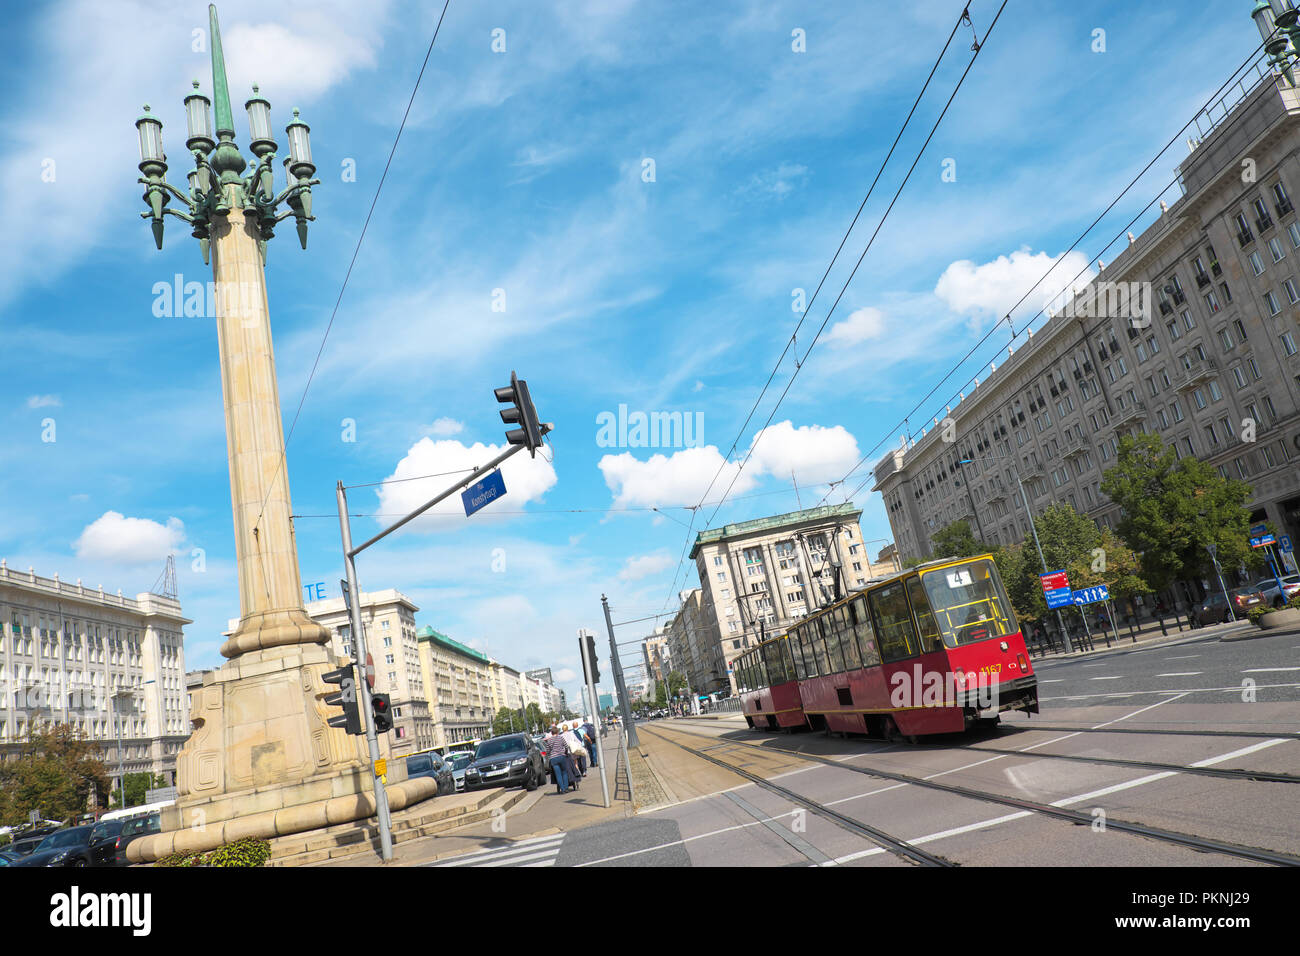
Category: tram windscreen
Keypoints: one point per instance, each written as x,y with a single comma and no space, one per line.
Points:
969,603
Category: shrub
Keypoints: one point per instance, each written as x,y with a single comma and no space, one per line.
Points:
247,852
1255,613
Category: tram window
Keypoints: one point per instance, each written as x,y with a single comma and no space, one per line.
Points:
866,634
844,617
819,646
787,658
969,603
774,664
796,652
804,635
893,620
925,624
833,655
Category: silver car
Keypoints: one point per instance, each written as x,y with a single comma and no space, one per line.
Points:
1268,588
458,760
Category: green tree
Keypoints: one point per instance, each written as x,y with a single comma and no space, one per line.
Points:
1173,508
536,718
956,540
506,721
54,771
137,784
1089,555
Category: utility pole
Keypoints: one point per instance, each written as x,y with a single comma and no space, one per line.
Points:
623,702
589,672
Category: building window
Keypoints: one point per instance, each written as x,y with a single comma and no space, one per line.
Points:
1239,377
1212,302
1274,307
1294,231
1275,247
1189,323
1172,327
1225,338
1288,343
1256,263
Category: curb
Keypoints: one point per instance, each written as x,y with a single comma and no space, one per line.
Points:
1258,632
1195,634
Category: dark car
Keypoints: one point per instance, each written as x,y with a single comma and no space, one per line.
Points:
103,842
24,846
70,847
1214,609
8,857
431,765
508,761
133,828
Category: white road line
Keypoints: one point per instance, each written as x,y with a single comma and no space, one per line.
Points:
547,855
1143,710
1141,781
1183,657
1116,677
1191,690
1183,674
1268,670
1054,680
511,854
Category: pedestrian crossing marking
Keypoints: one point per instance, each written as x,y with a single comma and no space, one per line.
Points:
539,851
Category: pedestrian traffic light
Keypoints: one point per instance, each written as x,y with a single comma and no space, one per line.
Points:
382,709
346,698
593,675
523,413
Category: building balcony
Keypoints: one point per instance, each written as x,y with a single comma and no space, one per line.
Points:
1130,416
1202,279
1198,373
1245,238
1215,269
1179,297
1165,308
1264,224
1284,208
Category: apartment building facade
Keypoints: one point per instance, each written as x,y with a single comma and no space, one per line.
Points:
756,577
104,663
1204,353
459,682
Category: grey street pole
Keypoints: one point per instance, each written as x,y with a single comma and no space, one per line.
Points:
587,668
1069,648
623,703
1214,556
367,708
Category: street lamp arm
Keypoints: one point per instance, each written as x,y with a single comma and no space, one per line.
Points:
163,184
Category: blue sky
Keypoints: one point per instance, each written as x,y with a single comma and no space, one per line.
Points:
526,171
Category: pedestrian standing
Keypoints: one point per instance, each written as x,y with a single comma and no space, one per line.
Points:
590,731
557,753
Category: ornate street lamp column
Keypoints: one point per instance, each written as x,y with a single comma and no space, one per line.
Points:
233,216
262,759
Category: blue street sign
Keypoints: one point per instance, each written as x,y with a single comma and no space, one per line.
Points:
1258,531
1260,542
1285,543
481,493
1058,598
1091,595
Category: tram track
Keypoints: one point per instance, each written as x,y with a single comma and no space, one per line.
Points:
882,839
1252,734
1202,844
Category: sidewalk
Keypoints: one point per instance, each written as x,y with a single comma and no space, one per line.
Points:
1148,635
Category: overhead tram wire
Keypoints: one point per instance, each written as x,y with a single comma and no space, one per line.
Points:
355,252
1232,77
964,17
799,365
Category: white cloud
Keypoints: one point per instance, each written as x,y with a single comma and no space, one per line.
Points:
699,386
112,537
41,401
778,182
444,428
995,287
862,325
677,479
564,675
526,478
644,566
813,453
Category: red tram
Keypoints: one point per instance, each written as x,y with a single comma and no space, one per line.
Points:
932,650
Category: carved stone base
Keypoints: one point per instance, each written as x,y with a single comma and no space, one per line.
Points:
264,762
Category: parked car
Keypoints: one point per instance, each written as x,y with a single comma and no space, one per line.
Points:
458,760
507,761
24,846
431,765
1214,609
103,842
1268,588
8,857
70,847
132,829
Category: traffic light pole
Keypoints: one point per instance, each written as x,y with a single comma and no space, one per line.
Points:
589,668
624,704
367,708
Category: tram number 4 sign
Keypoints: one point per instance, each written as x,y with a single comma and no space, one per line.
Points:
1056,589
1092,595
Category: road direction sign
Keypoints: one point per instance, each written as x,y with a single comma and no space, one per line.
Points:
1091,595
1258,531
1264,541
1056,589
1285,543
483,492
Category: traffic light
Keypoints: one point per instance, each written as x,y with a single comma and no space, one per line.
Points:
594,676
382,709
350,719
523,413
